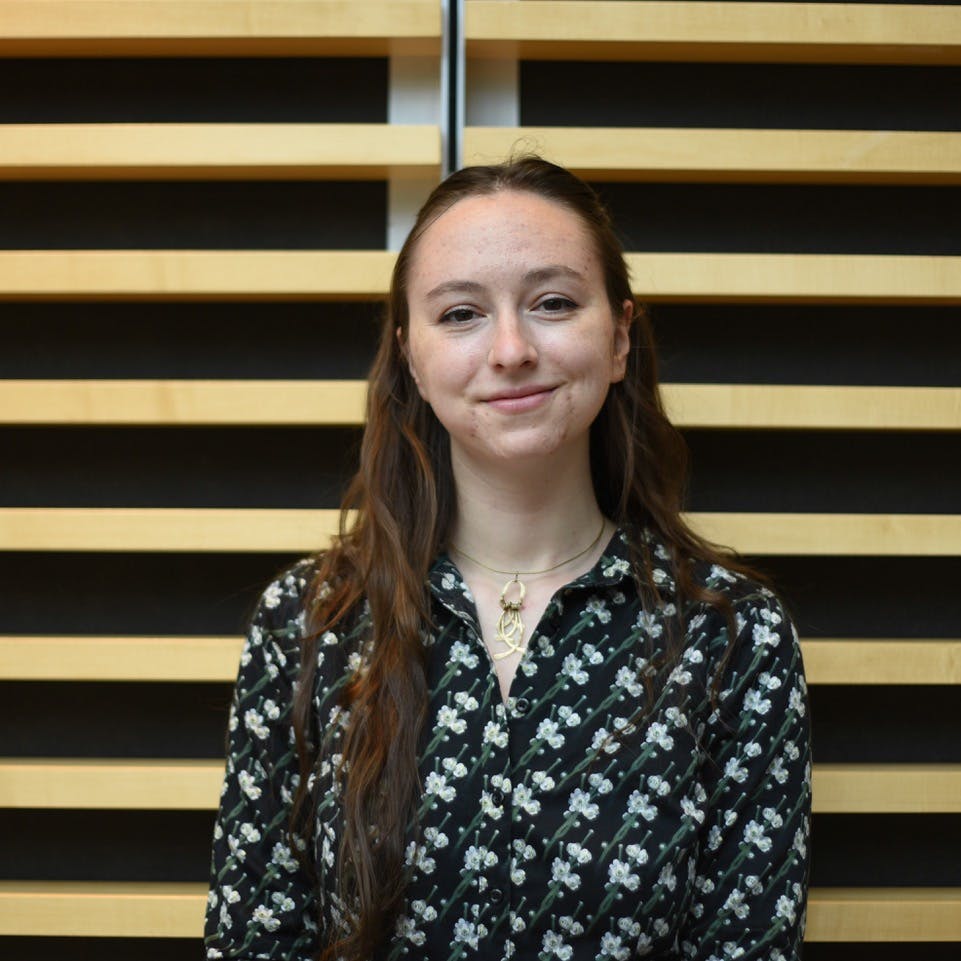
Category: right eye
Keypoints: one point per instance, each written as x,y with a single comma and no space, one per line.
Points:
458,315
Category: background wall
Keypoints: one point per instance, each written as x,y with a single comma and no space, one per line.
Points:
188,309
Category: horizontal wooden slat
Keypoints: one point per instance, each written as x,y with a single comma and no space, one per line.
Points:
882,661
333,402
103,28
218,151
143,909
884,914
795,278
183,402
121,909
205,658
164,529
813,407
766,32
194,274
282,530
365,275
887,788
175,784
930,535
109,783
729,155
37,658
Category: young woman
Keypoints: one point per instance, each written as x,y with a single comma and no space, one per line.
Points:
517,709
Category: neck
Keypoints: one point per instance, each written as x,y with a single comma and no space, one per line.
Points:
527,517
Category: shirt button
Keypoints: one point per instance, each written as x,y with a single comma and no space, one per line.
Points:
495,895
522,706
497,796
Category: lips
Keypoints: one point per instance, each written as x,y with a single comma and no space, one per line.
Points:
520,399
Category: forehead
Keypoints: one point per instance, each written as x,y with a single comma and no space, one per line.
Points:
508,231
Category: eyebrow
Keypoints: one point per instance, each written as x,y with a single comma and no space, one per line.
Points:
537,276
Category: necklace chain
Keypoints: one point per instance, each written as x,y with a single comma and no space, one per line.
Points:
510,627
546,570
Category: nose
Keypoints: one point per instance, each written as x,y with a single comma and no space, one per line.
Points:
511,345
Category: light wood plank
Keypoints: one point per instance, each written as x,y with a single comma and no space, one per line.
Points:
888,535
178,784
813,407
81,658
184,402
143,909
109,783
884,914
204,658
334,402
795,278
730,155
114,909
887,788
698,31
365,275
286,530
289,28
882,660
165,529
194,274
218,151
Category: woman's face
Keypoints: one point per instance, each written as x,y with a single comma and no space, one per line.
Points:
512,340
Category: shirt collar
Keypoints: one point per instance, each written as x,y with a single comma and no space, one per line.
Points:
611,570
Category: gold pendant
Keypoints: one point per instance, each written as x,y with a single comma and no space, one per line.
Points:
510,627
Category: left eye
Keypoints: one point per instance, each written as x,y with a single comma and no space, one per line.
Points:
554,305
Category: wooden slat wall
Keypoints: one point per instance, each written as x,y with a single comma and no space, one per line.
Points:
197,523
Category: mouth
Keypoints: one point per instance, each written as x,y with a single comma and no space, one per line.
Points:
520,399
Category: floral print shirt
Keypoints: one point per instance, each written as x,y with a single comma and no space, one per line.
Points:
542,836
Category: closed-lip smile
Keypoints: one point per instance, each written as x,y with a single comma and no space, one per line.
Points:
519,400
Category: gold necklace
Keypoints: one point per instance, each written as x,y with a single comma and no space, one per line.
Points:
510,627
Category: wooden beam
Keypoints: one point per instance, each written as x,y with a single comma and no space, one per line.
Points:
858,661
850,661
157,910
696,31
795,278
882,535
230,28
218,151
884,914
731,155
184,402
130,658
887,788
289,530
250,275
110,783
342,402
194,274
176,784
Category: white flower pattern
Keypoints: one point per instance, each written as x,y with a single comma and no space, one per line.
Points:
554,826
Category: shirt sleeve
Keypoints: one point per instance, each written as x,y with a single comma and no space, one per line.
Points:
750,889
261,903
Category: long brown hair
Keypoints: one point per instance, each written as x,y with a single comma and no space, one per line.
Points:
403,501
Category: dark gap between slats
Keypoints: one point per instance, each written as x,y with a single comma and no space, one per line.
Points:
310,467
193,215
194,90
277,467
744,95
132,593
231,341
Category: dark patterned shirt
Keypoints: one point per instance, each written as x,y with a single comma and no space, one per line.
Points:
543,836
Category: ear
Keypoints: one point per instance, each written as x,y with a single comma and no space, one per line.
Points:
622,341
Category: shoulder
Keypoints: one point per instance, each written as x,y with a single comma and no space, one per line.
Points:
277,623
